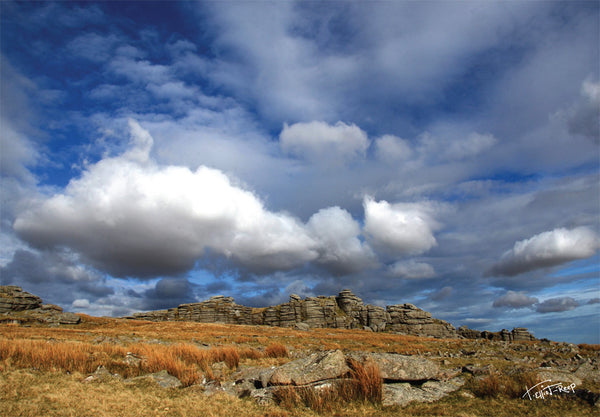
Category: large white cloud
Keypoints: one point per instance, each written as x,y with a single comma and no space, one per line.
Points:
341,249
399,229
322,143
547,249
129,216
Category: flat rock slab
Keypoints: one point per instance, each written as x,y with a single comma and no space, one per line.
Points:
319,366
557,375
400,368
404,393
162,378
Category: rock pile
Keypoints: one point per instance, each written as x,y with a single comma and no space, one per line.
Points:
346,311
18,306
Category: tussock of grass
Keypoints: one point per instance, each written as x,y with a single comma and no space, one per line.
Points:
276,350
496,385
363,384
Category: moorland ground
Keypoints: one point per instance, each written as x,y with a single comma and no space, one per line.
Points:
43,370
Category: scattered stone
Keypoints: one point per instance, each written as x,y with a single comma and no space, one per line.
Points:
132,359
101,374
162,378
479,370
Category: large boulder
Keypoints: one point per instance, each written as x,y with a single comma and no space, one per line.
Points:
400,368
405,393
319,366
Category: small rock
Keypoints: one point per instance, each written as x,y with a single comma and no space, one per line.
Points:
162,378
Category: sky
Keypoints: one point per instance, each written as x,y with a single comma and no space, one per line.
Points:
445,154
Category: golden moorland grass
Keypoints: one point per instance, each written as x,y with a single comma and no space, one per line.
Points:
42,369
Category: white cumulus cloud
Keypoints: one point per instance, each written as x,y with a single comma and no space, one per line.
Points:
337,233
81,303
131,217
399,229
322,143
547,249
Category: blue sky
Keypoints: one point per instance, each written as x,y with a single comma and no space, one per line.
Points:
439,153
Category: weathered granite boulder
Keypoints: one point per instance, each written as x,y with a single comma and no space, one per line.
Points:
319,366
13,298
405,393
400,368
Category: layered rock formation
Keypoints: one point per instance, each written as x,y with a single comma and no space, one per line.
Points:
346,311
17,305
516,335
13,298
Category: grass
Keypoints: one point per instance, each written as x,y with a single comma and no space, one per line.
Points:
185,361
363,384
42,369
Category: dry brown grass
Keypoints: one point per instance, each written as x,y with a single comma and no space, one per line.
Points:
276,350
34,362
185,361
363,384
501,385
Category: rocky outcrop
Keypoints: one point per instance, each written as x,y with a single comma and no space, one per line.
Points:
13,298
409,319
20,306
516,335
404,378
346,311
